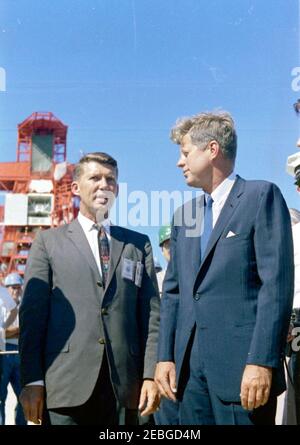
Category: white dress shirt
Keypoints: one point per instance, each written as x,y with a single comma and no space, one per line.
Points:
15,324
220,194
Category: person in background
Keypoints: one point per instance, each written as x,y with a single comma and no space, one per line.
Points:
295,216
228,290
291,413
168,411
11,362
164,243
157,266
89,316
8,314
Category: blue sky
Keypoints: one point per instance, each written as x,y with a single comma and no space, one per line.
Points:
120,72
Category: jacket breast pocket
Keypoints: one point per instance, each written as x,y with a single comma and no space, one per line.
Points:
235,238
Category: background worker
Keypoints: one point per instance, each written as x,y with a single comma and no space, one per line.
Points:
168,411
8,313
164,243
11,362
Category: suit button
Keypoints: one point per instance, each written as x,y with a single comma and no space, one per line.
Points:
99,283
101,341
197,296
104,311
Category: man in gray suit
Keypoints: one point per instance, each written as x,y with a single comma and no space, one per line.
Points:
89,320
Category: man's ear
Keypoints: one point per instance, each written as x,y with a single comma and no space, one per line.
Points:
214,149
117,191
75,188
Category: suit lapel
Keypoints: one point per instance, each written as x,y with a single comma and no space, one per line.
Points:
229,208
116,248
77,236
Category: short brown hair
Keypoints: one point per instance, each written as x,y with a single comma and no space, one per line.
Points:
101,158
205,127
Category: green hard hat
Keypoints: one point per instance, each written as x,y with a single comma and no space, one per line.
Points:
164,233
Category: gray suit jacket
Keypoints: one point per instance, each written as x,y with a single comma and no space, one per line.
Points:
67,319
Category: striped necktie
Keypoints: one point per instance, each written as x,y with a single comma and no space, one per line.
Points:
103,253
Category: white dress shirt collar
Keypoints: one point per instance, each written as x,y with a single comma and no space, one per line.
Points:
88,224
224,188
220,194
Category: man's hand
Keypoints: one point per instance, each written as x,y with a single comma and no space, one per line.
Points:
165,377
32,400
255,387
12,332
149,398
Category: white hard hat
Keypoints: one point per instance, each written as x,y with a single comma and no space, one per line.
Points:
13,279
292,163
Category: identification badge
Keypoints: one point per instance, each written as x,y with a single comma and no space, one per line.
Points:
128,269
139,274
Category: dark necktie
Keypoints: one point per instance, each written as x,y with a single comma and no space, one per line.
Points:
103,253
208,223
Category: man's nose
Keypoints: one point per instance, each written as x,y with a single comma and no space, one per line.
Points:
181,162
103,184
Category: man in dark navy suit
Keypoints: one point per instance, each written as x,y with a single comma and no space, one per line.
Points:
229,286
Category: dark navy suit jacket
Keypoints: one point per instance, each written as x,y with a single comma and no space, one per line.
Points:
240,294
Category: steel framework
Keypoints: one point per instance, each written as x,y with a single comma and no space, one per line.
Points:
16,178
